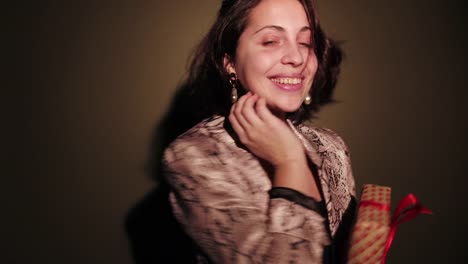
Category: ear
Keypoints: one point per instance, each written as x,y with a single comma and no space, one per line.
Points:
228,64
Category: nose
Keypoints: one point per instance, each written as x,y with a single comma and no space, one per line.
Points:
293,55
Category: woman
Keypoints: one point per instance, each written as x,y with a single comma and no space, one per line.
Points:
250,183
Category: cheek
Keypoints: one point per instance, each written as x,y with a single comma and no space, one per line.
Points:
312,66
254,68
260,61
311,70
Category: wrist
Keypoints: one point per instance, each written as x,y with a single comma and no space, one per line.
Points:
296,175
292,163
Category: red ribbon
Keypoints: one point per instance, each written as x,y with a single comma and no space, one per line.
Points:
380,206
407,209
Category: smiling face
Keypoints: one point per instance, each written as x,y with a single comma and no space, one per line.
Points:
274,56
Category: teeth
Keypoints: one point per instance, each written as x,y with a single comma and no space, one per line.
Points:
287,80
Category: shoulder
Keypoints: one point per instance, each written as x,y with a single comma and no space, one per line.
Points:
202,140
205,129
207,157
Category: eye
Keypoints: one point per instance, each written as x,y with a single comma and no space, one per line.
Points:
305,40
269,42
306,44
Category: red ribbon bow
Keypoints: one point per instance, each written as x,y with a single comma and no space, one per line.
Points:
407,209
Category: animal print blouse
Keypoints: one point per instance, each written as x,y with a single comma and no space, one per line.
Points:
223,197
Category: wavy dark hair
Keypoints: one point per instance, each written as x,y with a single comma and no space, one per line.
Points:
207,84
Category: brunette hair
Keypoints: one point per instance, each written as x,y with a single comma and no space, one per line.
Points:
207,85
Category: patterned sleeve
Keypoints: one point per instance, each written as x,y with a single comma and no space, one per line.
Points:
346,167
231,219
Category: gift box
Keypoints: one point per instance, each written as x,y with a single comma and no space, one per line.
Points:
375,227
372,225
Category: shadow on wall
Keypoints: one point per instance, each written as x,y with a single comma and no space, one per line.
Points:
153,233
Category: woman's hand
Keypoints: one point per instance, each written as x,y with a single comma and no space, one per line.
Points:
271,139
264,134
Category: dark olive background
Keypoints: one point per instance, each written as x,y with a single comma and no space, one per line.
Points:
87,82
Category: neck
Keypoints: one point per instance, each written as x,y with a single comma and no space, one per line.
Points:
278,113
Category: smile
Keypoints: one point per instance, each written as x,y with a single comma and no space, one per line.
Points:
290,84
287,80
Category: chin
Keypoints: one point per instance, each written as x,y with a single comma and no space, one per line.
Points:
289,107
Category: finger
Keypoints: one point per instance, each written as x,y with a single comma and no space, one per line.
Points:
236,126
262,110
237,110
237,106
248,111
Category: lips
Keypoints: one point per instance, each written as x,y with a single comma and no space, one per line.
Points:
288,83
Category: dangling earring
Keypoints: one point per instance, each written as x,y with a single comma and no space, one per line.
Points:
233,82
307,100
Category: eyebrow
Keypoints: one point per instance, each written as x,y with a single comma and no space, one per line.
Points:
279,28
